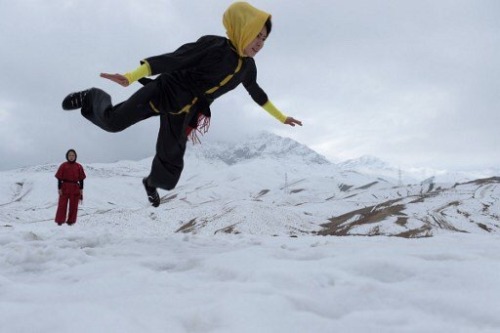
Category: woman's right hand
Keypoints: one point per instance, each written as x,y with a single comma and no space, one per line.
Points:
60,192
118,78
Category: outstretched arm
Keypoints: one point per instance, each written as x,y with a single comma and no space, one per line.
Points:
273,111
260,97
185,56
128,78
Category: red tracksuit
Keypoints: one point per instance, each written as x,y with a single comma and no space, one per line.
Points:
70,177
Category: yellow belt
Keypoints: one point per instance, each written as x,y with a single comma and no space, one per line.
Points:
187,107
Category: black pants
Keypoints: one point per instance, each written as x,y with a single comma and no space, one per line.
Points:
168,161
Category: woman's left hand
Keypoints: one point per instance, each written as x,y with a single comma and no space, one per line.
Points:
292,121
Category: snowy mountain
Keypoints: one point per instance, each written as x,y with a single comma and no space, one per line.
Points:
262,146
374,166
364,162
267,185
371,165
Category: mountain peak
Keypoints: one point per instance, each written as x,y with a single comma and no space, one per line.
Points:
258,146
364,162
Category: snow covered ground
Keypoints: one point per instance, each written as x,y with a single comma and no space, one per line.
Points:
232,249
104,276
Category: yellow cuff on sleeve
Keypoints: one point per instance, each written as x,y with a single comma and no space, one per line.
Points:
140,72
273,111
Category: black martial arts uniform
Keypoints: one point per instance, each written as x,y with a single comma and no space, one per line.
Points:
189,80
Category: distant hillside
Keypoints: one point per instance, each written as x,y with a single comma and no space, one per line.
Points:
266,185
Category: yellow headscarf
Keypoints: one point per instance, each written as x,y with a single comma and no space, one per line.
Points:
243,23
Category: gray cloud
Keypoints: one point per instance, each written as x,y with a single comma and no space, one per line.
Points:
413,82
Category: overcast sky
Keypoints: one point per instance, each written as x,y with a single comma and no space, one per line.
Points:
415,83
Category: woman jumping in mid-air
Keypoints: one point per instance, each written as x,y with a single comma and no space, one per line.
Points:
189,80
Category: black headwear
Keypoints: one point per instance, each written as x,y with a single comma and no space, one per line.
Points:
69,151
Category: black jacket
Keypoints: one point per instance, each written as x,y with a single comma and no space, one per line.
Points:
197,67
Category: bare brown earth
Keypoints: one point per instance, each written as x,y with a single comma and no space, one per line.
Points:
458,208
371,217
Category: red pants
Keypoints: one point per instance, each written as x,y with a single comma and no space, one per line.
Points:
62,208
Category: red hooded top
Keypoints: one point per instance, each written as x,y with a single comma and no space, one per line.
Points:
70,176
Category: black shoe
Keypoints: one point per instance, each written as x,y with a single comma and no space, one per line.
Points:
152,193
74,100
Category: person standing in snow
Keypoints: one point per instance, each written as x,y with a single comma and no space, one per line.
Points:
189,80
70,176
